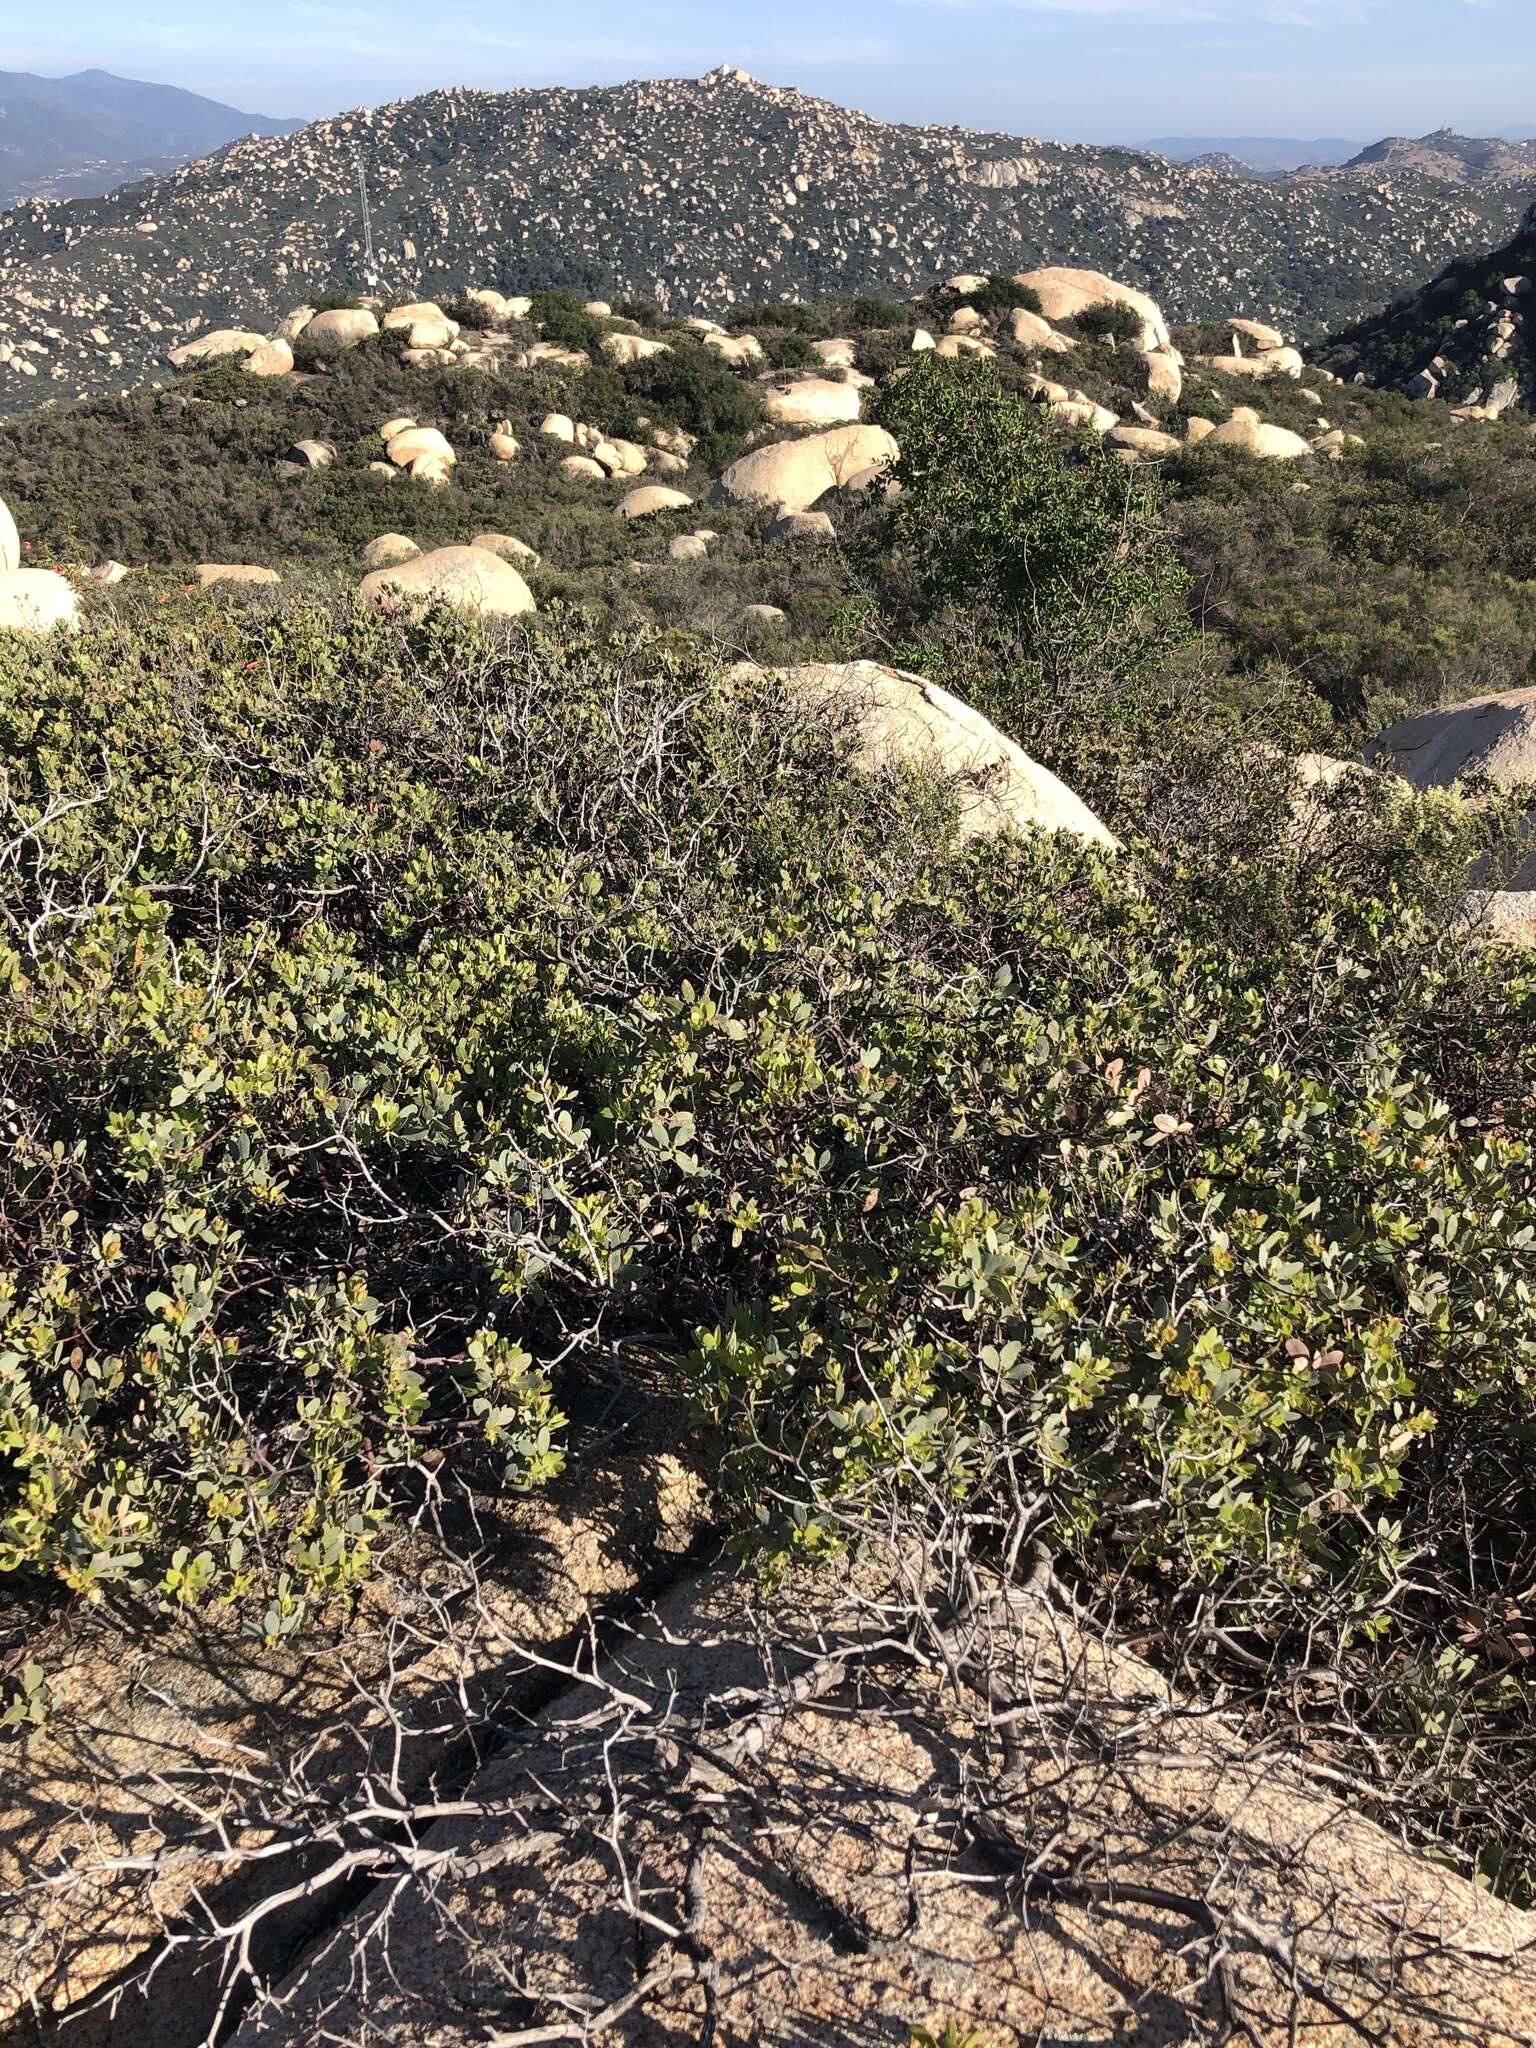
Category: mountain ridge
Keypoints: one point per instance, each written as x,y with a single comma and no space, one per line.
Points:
87,133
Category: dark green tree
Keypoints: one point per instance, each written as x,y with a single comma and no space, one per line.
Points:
1035,558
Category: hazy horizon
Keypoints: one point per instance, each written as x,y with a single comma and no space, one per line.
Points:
1080,70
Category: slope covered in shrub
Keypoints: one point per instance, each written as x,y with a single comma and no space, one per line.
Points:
409,1033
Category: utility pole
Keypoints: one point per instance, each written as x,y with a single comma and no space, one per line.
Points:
370,261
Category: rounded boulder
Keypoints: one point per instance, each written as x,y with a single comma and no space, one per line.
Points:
37,601
793,475
896,717
10,540
812,402
408,447
469,579
272,359
343,328
650,499
389,551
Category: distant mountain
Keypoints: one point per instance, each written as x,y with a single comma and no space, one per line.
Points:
1457,159
699,193
1468,337
70,137
1266,153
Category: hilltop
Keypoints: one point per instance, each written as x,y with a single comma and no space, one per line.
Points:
1455,159
1265,153
700,193
66,138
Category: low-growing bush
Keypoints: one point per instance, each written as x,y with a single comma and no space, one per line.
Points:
406,1030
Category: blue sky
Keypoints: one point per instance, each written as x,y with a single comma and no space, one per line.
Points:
1090,70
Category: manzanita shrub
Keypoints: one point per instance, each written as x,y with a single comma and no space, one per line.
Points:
403,1025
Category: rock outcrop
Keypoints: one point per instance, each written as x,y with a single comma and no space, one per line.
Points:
1064,294
864,1845
10,540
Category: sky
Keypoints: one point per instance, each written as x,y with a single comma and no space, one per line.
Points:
1078,70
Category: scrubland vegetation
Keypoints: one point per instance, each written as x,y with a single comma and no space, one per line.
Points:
415,1032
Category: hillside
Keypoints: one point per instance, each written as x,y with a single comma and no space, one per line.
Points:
64,138
631,948
700,193
1452,158
1469,336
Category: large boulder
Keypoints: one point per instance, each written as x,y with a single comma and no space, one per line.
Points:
1255,331
408,446
425,337
311,454
210,573
1021,1833
803,526
401,319
1488,739
741,351
842,353
812,402
624,349
10,540
1028,330
214,347
142,1712
272,359
498,305
650,499
36,601
343,328
1273,362
1504,917
1162,375
1143,440
902,718
389,551
1064,293
503,447
793,475
470,579
1492,738
1252,436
